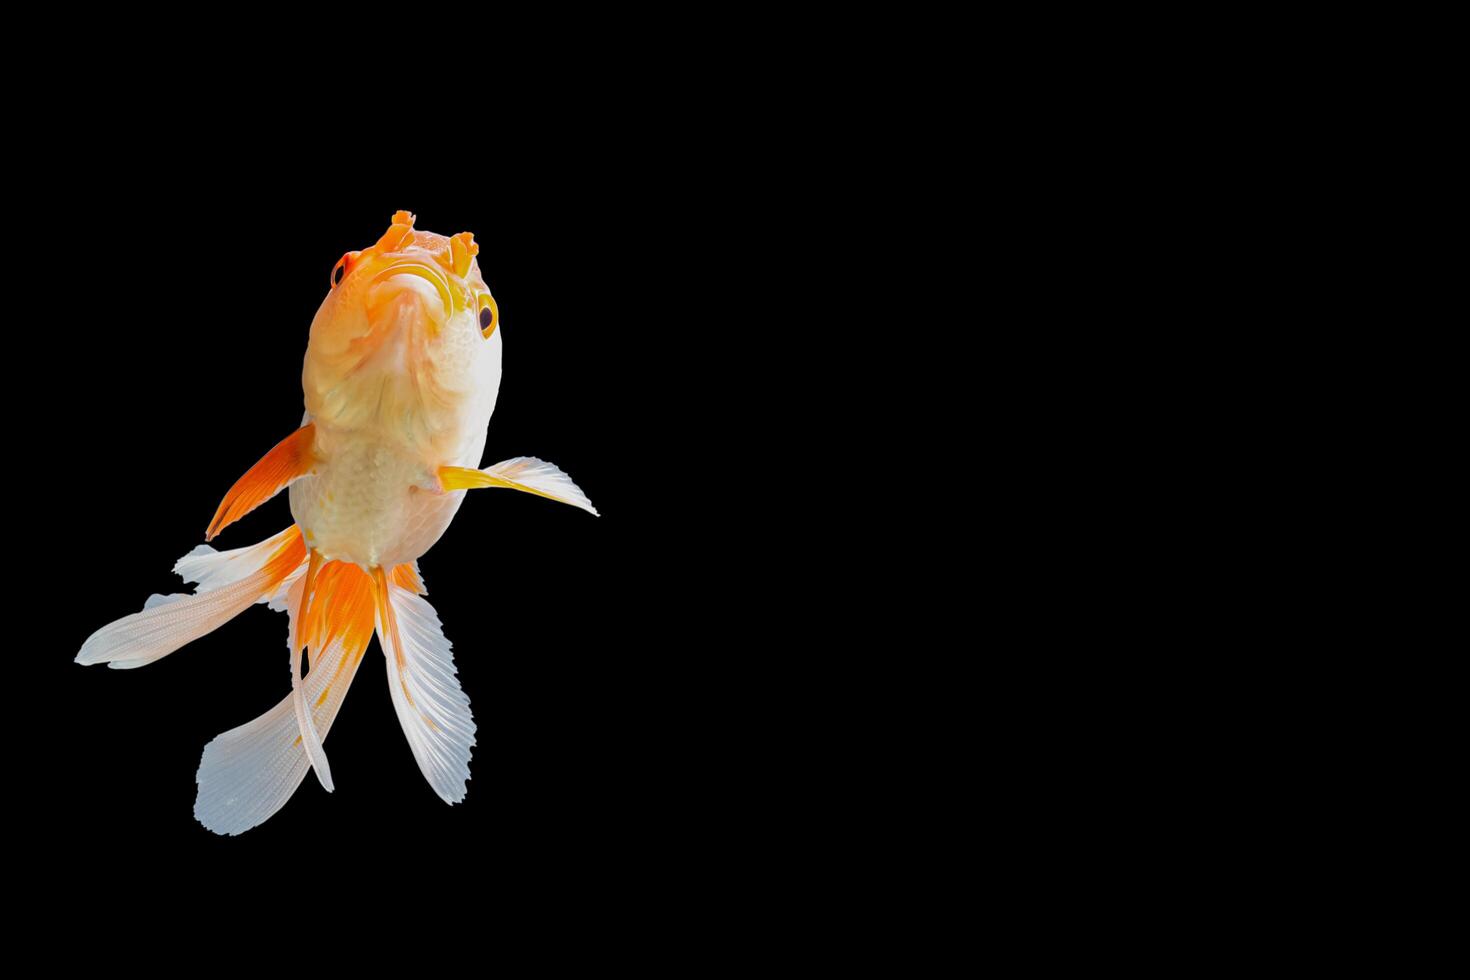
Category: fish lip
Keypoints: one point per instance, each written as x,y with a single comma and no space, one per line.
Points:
423,270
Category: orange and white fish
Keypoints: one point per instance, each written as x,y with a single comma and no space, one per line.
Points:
401,374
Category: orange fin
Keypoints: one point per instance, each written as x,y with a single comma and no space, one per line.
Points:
291,458
305,725
388,631
406,576
250,772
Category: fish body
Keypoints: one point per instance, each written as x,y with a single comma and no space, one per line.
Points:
400,378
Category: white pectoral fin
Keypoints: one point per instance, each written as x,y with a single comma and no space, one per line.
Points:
525,473
432,707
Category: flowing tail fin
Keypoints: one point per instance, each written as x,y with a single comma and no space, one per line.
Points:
432,708
229,583
249,772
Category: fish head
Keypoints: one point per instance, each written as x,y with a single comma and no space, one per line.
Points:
403,332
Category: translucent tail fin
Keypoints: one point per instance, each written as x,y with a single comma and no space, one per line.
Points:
431,705
249,772
229,583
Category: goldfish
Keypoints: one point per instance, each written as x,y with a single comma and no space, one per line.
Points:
400,378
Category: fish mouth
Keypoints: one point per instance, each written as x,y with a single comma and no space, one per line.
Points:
417,284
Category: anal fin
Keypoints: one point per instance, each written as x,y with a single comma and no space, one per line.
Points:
299,619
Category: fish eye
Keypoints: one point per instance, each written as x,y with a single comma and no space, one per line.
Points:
339,271
489,314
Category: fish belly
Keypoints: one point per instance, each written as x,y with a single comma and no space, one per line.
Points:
368,504
373,499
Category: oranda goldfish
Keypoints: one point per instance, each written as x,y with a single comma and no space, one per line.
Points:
401,374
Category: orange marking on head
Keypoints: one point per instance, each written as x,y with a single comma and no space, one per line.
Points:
463,250
399,234
395,239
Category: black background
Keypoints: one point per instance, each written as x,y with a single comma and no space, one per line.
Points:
595,680
677,733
